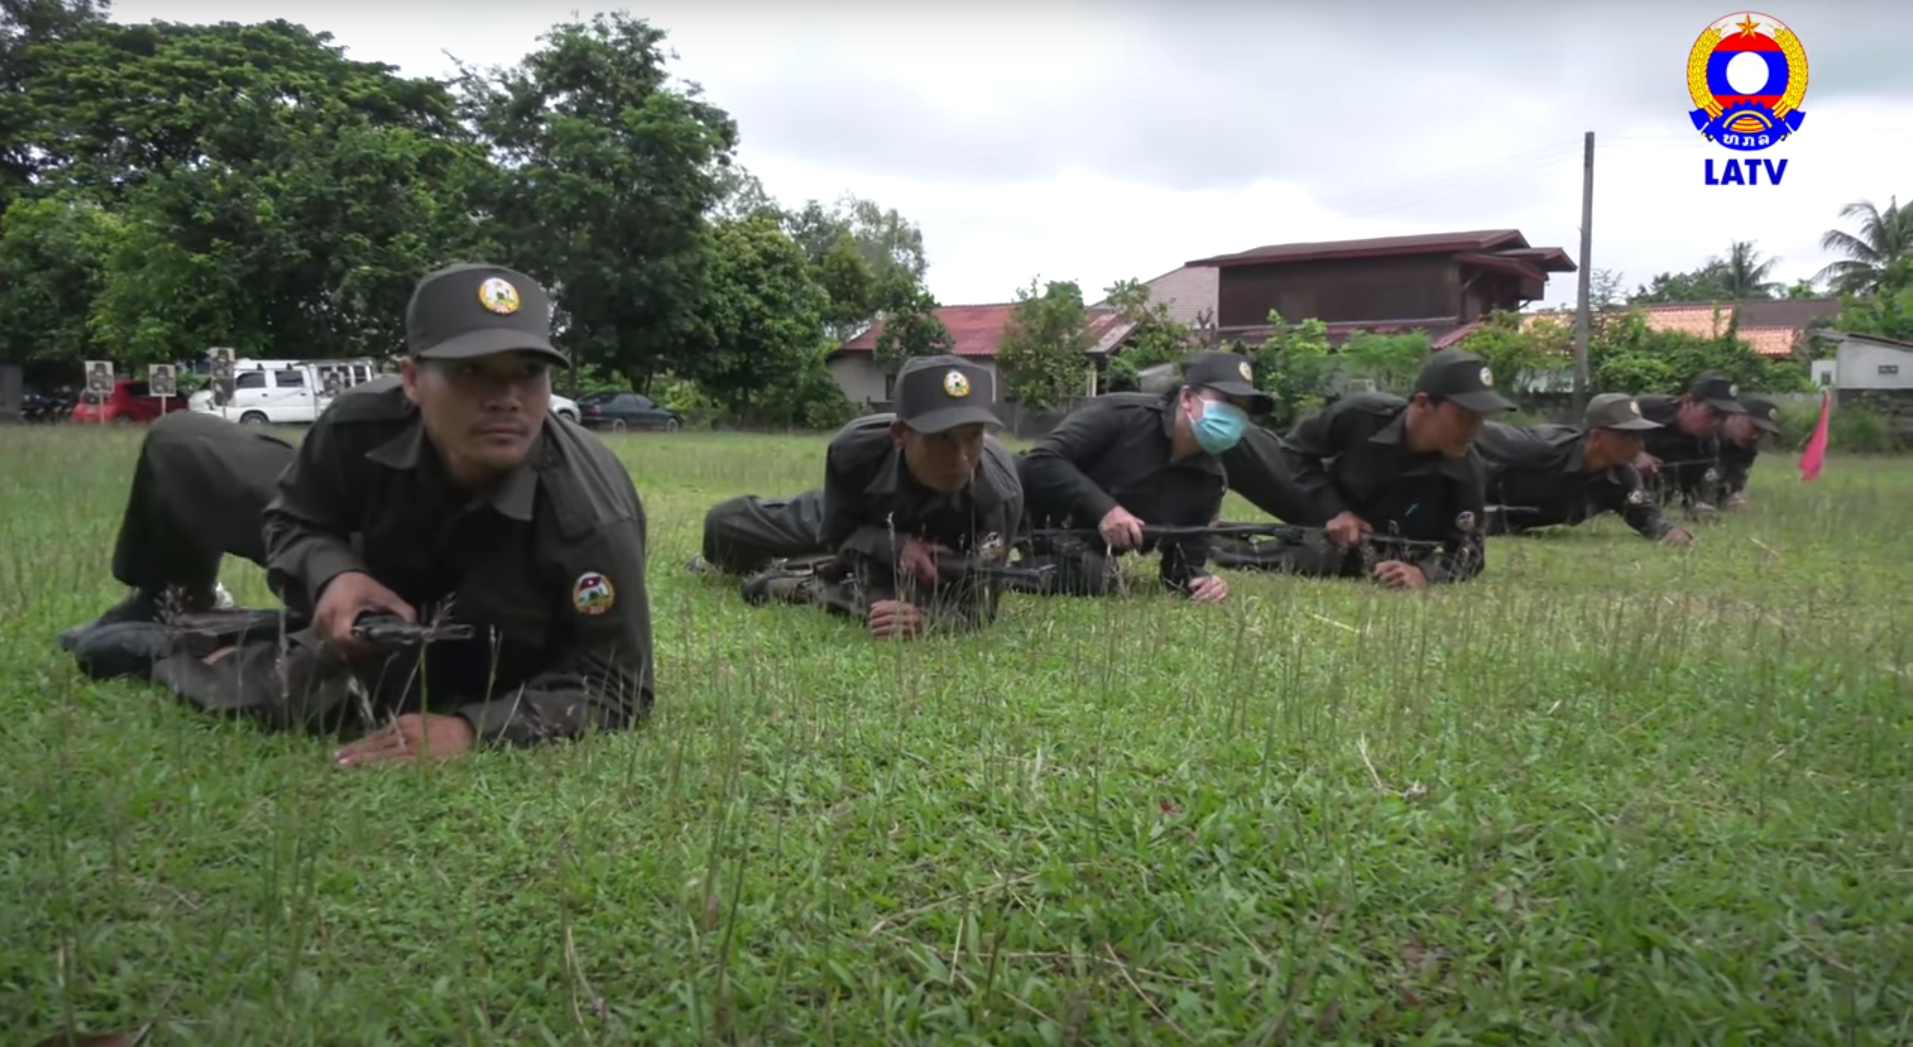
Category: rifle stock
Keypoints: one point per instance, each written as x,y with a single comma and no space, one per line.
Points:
384,630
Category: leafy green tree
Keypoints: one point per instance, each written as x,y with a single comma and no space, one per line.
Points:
1626,355
1043,353
868,257
606,173
763,347
1518,352
26,28
1155,336
1295,368
53,255
910,325
273,195
1391,361
1884,239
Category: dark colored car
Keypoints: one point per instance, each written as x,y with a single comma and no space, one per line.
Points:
130,403
621,411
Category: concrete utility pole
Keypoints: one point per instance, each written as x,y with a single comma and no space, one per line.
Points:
1581,318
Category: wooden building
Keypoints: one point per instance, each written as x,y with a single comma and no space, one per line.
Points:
1442,283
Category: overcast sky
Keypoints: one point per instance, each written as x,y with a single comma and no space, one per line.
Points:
1100,141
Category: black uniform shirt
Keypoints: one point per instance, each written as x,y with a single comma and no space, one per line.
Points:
1353,457
1119,449
548,566
873,505
1259,470
1544,468
1686,461
1736,464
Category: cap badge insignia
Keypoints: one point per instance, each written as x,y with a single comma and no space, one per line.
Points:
1247,375
1466,521
1487,378
592,593
1733,390
1773,412
956,385
1635,406
498,295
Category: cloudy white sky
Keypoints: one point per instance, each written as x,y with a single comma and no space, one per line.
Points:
1099,141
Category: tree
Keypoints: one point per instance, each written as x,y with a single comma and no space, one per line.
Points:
911,326
1295,367
1885,237
1391,361
1741,274
1155,337
866,255
607,172
273,195
26,27
1520,351
1043,349
740,193
1744,274
1706,284
762,352
1626,355
53,254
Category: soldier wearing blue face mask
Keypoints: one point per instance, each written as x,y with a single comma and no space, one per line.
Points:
1129,460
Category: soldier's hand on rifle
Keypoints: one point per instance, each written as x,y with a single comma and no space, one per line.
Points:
1347,529
1120,529
1647,465
1395,574
894,619
1209,589
345,598
1678,536
919,557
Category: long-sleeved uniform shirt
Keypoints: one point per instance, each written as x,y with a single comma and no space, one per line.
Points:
1543,469
1119,450
872,506
1736,464
1259,471
1690,466
548,566
1353,456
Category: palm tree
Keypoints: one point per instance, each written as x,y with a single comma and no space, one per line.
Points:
1885,238
1743,274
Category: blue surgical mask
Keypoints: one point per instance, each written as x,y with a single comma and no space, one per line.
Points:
1220,426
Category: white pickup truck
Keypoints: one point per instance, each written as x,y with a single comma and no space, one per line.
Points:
295,392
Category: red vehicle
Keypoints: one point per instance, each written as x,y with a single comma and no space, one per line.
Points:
128,404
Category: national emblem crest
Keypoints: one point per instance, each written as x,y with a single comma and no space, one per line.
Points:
956,384
498,295
1747,75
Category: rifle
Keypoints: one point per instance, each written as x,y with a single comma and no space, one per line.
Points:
950,570
391,631
1285,532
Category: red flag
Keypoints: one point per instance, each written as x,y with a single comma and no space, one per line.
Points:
1816,453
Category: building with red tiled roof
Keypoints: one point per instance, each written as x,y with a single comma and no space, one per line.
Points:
976,330
1773,327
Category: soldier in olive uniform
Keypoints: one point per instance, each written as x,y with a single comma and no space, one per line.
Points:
1552,475
1376,467
1682,456
910,501
1129,460
446,493
1740,445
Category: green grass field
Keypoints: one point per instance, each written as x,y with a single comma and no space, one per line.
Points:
1611,794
